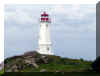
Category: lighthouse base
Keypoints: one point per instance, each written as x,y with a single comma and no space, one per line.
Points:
45,53
45,49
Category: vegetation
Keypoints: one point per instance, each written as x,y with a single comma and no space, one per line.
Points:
96,64
66,65
1,72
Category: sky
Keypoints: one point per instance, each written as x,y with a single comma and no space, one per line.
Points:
73,29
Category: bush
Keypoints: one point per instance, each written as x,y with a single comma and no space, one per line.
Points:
96,64
1,72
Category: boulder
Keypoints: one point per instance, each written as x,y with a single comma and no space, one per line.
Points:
43,70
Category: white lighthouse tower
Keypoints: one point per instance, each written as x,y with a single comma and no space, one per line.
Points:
44,36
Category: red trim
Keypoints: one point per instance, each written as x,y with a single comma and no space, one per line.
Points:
44,14
44,19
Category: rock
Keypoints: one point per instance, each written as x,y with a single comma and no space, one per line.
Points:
29,59
57,71
35,65
43,70
31,53
45,59
14,68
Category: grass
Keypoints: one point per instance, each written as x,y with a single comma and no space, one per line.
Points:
63,68
1,72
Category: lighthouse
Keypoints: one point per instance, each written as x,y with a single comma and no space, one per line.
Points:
44,35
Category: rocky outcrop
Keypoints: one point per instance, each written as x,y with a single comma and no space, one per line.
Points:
35,62
28,59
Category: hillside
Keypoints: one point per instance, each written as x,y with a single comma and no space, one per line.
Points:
1,65
35,62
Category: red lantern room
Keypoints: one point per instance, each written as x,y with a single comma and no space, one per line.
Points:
44,17
44,14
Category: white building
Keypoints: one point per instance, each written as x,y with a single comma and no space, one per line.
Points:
44,36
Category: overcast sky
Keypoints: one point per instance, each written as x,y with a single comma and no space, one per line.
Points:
73,29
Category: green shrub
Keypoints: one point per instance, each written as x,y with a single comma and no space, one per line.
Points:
96,64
